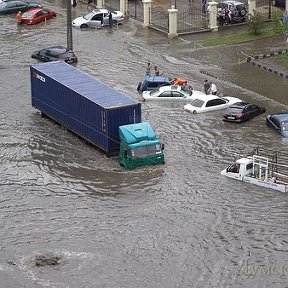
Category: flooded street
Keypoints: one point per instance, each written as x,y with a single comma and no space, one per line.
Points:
181,224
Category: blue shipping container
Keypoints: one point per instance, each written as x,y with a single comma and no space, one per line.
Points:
84,105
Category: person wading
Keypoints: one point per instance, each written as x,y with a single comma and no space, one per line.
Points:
19,17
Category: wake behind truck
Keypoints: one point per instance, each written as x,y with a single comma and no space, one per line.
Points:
95,112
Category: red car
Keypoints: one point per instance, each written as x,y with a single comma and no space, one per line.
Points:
37,15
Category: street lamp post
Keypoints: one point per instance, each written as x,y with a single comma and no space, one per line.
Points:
69,27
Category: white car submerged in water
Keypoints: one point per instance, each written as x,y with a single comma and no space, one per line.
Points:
171,92
206,103
98,18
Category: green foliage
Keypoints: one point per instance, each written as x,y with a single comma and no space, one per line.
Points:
255,23
236,38
278,25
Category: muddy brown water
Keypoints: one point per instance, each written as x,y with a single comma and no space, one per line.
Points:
176,225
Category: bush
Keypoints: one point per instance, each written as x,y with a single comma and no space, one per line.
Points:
255,23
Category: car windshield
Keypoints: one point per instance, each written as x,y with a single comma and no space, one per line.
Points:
234,110
56,52
197,103
28,15
88,16
154,92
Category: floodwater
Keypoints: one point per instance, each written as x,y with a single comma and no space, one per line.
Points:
176,225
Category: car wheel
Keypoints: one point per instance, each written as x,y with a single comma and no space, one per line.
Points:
194,112
114,23
84,26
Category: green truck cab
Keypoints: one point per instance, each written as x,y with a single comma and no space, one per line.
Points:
139,146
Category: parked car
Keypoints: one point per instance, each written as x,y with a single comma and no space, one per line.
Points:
37,15
239,10
278,122
207,103
16,6
171,92
278,3
55,53
153,82
242,111
98,18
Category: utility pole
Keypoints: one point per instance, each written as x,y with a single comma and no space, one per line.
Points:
69,27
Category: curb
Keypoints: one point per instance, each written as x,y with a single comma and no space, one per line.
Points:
251,60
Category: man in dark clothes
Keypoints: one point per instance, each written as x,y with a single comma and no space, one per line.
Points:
110,20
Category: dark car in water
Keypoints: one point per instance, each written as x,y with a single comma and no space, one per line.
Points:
153,82
278,122
8,7
242,111
54,54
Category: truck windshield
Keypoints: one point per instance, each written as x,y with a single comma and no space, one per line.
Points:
146,151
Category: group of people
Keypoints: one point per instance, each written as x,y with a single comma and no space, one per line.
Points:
210,88
226,14
152,69
183,83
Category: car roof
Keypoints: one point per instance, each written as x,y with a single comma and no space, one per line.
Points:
158,78
100,10
232,2
281,116
170,87
240,105
205,97
34,10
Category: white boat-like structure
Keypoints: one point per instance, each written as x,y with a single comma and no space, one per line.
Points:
269,170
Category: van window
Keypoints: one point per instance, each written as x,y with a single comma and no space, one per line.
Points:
249,166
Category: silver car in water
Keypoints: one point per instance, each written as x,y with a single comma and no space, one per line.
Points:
98,18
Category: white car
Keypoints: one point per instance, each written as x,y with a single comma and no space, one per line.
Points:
170,92
98,18
206,103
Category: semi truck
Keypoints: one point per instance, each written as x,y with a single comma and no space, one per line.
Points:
92,110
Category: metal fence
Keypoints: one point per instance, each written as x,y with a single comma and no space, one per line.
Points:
159,19
135,10
264,8
192,21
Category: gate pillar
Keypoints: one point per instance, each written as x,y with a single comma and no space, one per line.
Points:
213,16
100,3
172,22
124,6
251,7
147,12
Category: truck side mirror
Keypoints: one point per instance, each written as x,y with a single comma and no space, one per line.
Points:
162,146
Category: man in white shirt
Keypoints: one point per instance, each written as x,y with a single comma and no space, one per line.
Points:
213,88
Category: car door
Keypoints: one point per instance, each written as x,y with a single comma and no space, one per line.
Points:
96,21
215,104
20,6
249,112
177,95
166,95
12,7
105,19
38,17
